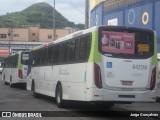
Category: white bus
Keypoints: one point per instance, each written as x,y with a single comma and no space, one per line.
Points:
15,68
101,64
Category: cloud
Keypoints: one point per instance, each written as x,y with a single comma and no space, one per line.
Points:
73,10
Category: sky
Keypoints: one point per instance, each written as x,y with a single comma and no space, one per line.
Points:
73,10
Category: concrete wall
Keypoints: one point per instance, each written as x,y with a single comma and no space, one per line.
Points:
31,34
47,34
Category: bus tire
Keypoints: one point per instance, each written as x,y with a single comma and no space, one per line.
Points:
4,77
158,99
33,90
59,94
5,83
11,84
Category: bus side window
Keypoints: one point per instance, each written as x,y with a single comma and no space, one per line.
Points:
88,47
76,57
39,58
43,56
71,51
13,61
57,49
14,64
64,53
16,61
82,49
50,55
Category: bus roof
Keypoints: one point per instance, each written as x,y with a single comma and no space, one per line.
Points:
67,37
76,34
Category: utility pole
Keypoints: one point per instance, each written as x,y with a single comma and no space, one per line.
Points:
10,33
54,21
86,14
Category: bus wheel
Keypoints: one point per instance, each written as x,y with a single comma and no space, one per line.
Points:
11,84
59,100
33,91
5,83
4,77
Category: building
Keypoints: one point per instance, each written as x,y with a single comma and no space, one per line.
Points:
46,35
134,13
31,34
19,39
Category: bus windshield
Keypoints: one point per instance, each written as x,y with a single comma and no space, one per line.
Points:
25,58
127,43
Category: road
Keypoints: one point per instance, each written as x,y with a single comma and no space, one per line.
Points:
19,99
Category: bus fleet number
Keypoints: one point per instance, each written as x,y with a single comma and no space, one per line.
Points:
140,67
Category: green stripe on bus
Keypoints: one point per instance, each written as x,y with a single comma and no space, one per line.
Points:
19,61
85,76
154,58
94,54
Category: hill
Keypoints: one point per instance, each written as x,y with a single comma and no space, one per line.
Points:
37,14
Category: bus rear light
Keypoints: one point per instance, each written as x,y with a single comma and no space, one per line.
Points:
153,79
20,73
97,76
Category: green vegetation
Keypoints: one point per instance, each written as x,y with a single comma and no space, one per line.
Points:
37,14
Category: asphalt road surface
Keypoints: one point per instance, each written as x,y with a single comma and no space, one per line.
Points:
19,99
